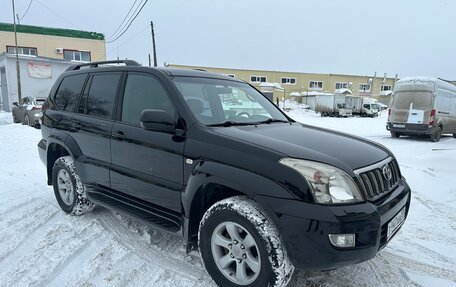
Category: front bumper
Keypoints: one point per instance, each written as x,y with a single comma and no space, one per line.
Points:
305,228
410,129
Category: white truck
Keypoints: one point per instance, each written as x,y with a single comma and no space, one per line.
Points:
365,107
332,105
422,106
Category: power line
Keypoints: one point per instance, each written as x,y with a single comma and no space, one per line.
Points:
131,22
123,21
28,7
128,40
56,14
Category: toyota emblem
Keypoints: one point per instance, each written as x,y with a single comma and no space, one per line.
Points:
387,172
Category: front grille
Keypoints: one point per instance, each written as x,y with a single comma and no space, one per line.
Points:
374,179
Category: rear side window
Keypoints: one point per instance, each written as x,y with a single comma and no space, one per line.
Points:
67,95
143,92
101,96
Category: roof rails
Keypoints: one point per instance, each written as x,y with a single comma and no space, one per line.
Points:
95,64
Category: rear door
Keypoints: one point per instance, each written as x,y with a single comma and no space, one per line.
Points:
146,164
91,127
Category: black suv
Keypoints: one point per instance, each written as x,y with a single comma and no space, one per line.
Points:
209,156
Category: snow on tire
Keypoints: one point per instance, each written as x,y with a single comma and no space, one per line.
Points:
241,246
69,190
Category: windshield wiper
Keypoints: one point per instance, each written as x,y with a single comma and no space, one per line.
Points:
231,123
271,120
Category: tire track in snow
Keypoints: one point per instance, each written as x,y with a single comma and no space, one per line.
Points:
149,252
45,250
418,266
23,227
79,258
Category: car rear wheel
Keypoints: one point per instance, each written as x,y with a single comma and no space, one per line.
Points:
27,120
15,120
436,135
240,245
68,189
395,134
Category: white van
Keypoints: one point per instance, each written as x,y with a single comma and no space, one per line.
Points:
422,106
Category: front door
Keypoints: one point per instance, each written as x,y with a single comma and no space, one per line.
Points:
145,164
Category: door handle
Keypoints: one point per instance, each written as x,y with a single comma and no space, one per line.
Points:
120,135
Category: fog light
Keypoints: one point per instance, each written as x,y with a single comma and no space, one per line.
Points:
342,240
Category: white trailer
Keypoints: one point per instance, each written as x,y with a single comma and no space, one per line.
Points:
332,105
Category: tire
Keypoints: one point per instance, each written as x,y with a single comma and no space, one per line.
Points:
249,225
27,120
454,135
436,135
15,118
395,134
69,190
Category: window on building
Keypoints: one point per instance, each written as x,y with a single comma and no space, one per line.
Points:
316,85
386,88
67,95
288,81
341,85
258,79
22,50
79,56
364,87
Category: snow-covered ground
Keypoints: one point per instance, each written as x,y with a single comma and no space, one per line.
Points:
42,246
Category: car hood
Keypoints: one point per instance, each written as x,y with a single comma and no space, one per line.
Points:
311,143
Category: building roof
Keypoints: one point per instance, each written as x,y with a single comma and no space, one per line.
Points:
51,31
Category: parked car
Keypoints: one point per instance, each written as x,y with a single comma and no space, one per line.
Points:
423,106
258,193
28,111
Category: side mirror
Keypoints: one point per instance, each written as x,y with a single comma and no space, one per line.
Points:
157,120
15,104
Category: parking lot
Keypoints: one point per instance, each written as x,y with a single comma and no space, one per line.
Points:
40,245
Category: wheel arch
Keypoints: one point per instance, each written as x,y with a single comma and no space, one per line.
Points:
60,144
211,182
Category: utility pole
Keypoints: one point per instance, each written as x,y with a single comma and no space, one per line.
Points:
153,43
18,71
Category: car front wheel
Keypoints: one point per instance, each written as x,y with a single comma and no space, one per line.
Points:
68,189
241,246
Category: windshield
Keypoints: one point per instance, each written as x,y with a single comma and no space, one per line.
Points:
374,106
419,100
223,102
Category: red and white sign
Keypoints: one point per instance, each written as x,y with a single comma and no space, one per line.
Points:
39,71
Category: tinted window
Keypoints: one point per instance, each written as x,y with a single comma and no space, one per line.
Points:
143,92
68,93
102,93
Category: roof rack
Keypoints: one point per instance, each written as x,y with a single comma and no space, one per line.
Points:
96,64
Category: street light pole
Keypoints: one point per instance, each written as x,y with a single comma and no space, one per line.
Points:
18,71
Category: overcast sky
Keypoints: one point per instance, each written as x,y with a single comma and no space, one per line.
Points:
416,37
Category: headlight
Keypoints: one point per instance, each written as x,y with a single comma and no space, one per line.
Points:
328,184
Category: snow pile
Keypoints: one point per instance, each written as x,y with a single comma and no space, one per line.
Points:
5,118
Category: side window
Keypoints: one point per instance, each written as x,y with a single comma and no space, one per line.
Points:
67,95
101,96
366,106
143,92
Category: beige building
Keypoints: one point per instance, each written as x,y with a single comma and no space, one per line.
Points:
292,82
72,45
